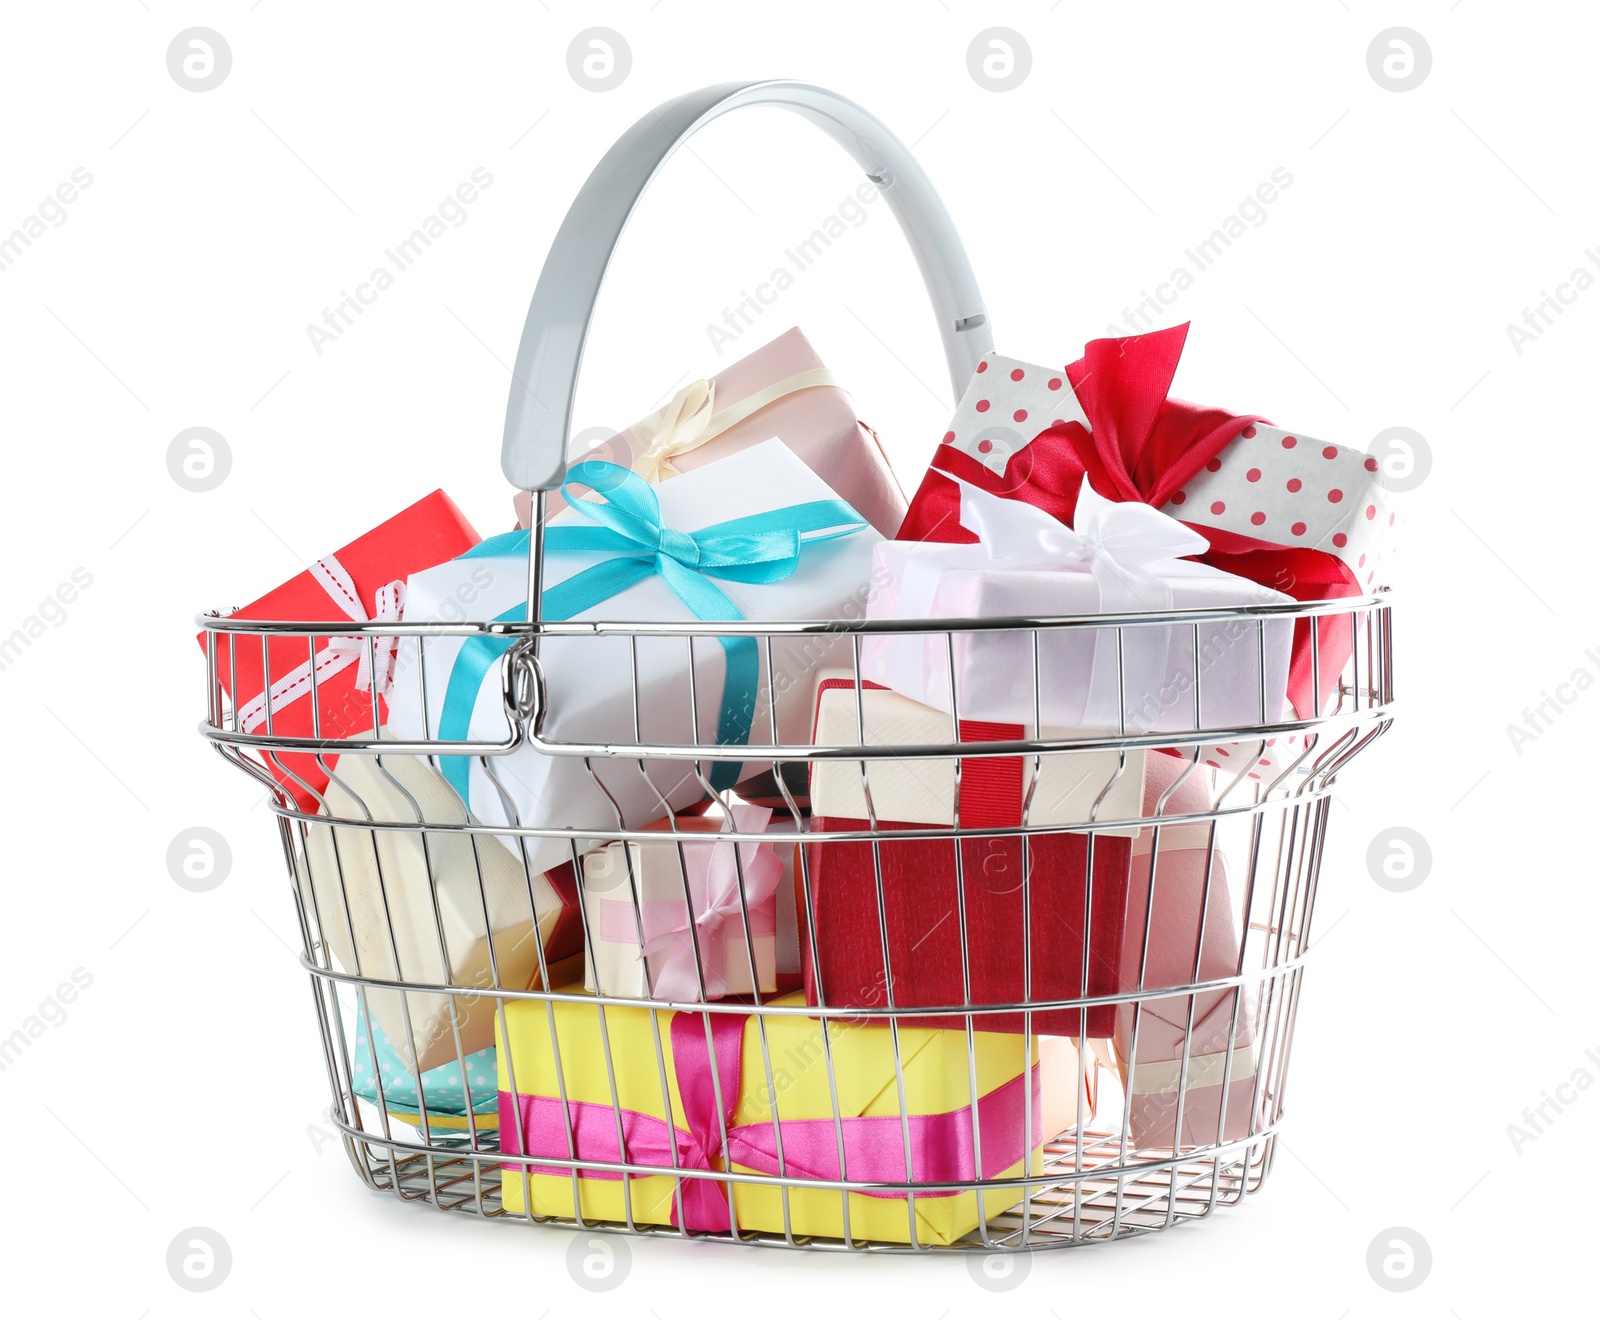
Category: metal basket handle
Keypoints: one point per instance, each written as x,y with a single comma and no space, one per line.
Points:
539,414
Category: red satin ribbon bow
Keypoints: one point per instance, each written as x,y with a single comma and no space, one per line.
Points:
1141,445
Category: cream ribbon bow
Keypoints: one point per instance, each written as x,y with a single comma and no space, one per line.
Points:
688,421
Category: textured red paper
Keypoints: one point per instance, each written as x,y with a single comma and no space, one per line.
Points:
429,532
923,919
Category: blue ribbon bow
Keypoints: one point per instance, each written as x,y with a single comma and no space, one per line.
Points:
759,548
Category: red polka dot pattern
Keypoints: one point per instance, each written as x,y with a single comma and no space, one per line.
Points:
1271,494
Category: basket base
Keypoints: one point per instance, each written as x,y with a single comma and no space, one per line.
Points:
1104,1202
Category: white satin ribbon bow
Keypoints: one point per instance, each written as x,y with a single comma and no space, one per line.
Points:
1125,547
340,652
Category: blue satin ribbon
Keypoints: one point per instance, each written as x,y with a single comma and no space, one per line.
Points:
759,548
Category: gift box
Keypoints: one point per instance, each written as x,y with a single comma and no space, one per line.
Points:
1067,1102
1121,558
1160,1057
449,1092
559,1106
666,919
434,907
790,968
792,550
360,583
1301,516
926,900
782,389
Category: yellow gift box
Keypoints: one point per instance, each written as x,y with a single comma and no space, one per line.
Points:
717,1081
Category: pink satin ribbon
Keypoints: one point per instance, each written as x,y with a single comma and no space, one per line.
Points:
941,1145
713,876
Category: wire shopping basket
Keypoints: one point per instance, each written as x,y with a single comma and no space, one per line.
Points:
1150,902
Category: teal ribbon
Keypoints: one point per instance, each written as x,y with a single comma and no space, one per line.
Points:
759,548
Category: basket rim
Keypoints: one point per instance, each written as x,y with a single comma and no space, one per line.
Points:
218,622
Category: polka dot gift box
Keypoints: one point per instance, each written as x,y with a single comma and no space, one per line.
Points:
448,1090
1287,511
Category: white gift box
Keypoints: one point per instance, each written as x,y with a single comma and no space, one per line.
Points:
1122,559
590,681
641,901
383,918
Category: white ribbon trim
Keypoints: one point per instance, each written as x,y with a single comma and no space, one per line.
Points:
340,652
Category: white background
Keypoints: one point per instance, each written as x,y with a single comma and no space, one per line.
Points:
185,1086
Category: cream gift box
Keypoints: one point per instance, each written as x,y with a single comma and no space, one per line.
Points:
666,919
780,389
1121,558
590,681
1070,783
372,898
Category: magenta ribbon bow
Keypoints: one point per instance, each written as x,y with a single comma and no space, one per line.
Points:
706,1054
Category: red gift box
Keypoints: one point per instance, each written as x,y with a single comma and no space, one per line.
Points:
922,914
363,581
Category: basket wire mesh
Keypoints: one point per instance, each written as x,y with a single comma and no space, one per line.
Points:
1262,818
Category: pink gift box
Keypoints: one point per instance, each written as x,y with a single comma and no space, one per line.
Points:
1152,1066
686,900
783,390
